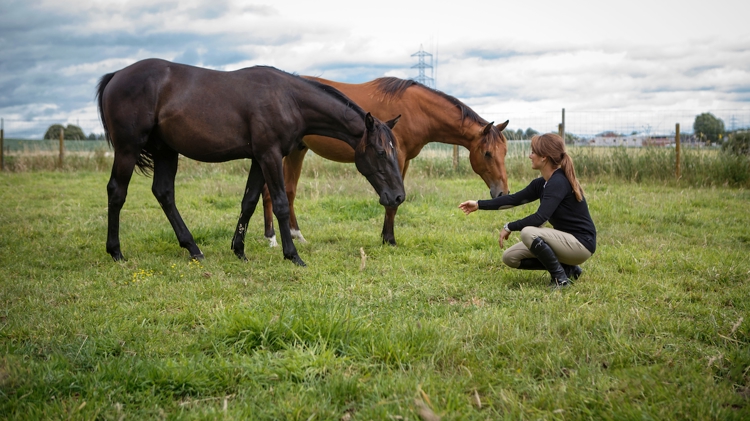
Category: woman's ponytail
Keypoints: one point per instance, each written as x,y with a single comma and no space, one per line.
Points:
570,173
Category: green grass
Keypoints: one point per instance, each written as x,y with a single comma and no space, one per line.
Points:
657,327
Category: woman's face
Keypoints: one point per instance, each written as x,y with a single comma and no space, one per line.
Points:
537,162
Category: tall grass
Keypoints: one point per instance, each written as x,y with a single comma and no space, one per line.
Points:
699,167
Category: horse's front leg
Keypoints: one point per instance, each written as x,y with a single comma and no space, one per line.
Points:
387,234
274,175
253,188
390,213
165,169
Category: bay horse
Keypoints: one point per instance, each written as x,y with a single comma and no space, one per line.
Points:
155,110
428,115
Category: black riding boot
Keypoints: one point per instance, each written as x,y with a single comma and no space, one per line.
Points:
531,264
573,272
547,257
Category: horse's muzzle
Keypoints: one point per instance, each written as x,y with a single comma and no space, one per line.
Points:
391,200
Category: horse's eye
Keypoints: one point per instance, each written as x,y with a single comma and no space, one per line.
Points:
382,154
487,155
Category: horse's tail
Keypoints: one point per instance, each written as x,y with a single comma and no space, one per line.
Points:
99,94
145,162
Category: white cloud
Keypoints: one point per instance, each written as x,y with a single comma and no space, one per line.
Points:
498,57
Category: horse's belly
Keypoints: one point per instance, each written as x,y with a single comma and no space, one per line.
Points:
330,148
209,149
205,138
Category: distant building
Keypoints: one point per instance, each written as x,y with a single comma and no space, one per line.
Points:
638,140
660,141
615,139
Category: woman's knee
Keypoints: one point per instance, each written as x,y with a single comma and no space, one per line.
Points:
510,260
528,234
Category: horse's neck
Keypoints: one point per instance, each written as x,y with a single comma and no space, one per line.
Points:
441,122
332,118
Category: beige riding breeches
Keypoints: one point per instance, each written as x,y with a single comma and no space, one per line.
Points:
567,248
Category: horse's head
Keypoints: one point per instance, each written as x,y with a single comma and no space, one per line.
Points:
376,158
487,157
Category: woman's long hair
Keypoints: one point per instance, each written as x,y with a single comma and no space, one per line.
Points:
552,146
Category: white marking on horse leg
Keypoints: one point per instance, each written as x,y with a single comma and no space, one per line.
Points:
297,235
272,241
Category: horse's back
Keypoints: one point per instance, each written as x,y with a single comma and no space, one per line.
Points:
204,114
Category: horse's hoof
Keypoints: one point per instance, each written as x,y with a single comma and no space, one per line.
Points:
272,241
117,256
198,257
296,260
241,255
391,241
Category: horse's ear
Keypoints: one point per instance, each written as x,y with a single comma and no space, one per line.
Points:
369,122
487,129
502,127
391,123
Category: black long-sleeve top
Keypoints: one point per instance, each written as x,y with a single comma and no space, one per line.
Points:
557,204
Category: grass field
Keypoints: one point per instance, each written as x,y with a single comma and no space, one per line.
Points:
657,327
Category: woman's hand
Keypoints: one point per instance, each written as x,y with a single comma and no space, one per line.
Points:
504,234
469,206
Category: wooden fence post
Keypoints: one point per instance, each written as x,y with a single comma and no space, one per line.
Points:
455,157
677,169
562,126
62,148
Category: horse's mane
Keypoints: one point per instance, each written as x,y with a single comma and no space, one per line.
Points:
393,88
336,94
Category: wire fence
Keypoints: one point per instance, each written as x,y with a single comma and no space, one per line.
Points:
588,124
581,123
584,124
26,135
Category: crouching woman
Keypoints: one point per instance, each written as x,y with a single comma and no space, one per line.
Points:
571,240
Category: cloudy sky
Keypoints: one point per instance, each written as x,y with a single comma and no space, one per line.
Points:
517,60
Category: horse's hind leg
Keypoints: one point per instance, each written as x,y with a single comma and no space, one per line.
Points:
253,188
117,191
165,169
292,171
268,218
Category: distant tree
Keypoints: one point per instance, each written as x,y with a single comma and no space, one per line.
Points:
71,132
54,131
530,133
708,127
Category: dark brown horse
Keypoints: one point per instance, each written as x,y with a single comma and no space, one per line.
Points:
428,116
154,110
